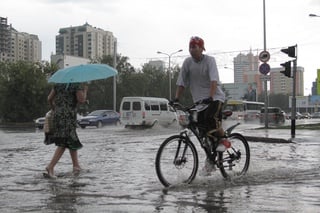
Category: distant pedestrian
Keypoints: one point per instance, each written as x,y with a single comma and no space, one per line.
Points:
63,100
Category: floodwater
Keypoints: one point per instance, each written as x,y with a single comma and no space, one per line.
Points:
119,176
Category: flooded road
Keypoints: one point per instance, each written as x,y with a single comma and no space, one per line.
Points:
119,176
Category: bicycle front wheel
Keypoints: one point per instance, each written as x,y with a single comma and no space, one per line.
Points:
176,161
235,160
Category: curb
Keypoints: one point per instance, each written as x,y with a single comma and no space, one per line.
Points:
267,140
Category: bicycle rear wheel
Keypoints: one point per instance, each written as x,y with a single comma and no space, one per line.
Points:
235,160
176,161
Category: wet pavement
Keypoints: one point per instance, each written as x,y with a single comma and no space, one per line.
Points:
119,175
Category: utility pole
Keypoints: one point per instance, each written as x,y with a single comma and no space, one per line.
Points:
169,69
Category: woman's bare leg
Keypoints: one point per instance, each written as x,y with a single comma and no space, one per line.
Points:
75,161
56,157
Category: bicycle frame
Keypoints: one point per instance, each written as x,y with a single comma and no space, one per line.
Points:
193,127
234,161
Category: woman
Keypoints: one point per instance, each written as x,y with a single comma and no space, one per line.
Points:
63,100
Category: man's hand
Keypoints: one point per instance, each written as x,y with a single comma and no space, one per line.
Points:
207,100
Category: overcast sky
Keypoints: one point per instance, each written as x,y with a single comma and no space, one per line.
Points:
144,27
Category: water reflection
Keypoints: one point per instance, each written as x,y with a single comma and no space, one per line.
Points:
216,201
119,176
64,198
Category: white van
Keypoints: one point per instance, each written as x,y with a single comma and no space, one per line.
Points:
146,112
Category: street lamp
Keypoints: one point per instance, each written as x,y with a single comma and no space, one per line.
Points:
169,68
313,15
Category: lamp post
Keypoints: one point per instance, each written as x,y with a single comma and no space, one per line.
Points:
169,67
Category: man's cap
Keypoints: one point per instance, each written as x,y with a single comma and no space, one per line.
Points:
195,40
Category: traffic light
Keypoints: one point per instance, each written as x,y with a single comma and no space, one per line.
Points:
287,69
290,51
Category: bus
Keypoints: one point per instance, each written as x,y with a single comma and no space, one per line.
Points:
244,110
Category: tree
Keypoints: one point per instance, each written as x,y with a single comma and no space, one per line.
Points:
155,82
24,87
23,91
100,93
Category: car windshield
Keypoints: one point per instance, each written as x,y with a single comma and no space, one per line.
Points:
96,113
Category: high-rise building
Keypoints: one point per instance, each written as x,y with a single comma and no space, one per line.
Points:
4,37
25,47
246,72
15,45
281,84
85,41
245,65
314,88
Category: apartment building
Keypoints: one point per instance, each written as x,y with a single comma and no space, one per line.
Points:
246,74
245,64
4,37
281,84
157,64
16,46
85,41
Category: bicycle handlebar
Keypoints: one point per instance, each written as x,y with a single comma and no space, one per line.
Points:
177,106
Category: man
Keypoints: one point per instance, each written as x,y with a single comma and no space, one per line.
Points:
200,73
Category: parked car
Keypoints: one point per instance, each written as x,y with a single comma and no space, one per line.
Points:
298,115
275,115
39,122
99,118
306,115
315,115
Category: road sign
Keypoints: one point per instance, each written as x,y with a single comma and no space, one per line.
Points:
264,56
264,68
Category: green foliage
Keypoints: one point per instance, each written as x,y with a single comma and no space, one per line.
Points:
23,91
24,87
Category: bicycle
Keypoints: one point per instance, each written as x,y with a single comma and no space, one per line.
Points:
177,157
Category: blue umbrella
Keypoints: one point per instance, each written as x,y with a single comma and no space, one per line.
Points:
83,73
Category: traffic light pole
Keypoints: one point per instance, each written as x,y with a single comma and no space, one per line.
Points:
292,51
293,100
266,99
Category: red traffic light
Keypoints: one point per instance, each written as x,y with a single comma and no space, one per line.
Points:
291,51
